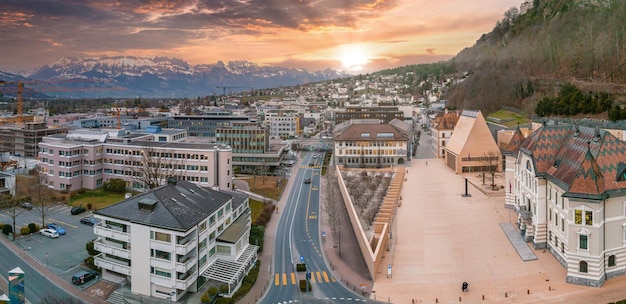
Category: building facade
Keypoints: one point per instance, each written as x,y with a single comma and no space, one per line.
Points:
250,145
371,146
472,147
205,125
284,126
173,239
22,139
382,113
441,129
88,158
568,186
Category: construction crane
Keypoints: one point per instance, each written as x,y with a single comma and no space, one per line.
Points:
229,87
48,86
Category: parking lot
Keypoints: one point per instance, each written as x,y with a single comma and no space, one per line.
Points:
63,255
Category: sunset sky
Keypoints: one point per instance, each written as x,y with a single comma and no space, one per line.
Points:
350,35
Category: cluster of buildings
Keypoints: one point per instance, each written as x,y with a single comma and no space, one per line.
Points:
566,182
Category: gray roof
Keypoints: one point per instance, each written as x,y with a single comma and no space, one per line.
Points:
175,206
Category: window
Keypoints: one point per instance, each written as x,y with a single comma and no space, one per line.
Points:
588,217
578,217
582,242
550,213
582,266
611,260
160,272
160,236
562,224
161,254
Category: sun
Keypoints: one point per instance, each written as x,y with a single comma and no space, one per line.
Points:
354,57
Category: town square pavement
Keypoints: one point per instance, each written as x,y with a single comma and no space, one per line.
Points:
442,239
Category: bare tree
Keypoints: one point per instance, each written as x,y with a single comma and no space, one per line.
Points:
41,195
332,199
491,163
11,207
152,168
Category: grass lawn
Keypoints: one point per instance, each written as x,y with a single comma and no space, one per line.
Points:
268,188
256,207
511,118
98,199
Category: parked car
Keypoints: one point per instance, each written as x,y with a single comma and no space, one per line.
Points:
56,228
83,277
307,180
27,205
89,221
49,233
77,210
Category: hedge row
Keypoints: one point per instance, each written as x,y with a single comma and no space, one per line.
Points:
265,215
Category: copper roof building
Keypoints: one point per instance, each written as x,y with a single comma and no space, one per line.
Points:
568,186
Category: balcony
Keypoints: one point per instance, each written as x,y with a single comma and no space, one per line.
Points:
525,214
111,233
112,249
185,264
186,280
112,264
185,246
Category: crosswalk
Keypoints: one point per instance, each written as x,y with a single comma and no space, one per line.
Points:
317,277
311,167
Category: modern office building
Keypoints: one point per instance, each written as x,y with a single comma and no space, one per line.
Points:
383,113
171,240
284,127
88,158
205,125
251,146
568,186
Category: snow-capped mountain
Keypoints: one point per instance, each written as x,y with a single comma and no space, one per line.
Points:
166,77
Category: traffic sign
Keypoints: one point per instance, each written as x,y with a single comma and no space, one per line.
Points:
301,258
323,233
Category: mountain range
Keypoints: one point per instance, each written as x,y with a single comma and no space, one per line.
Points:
130,76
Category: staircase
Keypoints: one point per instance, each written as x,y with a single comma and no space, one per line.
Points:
117,298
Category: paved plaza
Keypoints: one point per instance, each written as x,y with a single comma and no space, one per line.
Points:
443,239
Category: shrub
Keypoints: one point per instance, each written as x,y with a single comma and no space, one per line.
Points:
32,227
24,230
209,294
89,206
90,247
115,185
224,289
90,262
6,229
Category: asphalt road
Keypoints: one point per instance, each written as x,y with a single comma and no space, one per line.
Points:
36,286
298,241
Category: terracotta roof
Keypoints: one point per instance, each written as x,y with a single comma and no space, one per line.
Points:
515,142
447,121
581,160
370,132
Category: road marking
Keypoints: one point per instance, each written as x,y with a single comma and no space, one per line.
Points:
284,279
332,279
326,277
293,278
314,188
312,278
319,276
277,280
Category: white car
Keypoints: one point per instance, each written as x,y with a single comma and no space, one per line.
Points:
49,233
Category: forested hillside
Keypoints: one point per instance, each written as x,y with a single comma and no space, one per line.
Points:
530,56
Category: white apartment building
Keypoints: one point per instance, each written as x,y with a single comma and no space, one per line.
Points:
284,126
173,239
88,158
568,186
441,129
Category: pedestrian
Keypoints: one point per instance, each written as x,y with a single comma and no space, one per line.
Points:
464,286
